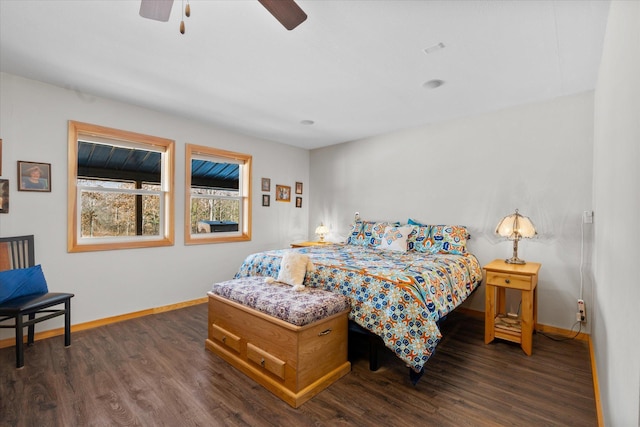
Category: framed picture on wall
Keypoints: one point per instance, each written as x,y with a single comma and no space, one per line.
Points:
298,188
4,196
266,184
266,200
283,193
33,176
298,202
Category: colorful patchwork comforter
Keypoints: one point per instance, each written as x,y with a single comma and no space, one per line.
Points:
399,296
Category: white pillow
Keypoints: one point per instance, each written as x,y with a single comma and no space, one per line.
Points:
395,238
293,269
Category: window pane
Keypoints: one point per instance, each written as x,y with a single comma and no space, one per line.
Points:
112,214
150,215
210,215
106,184
214,192
217,175
151,187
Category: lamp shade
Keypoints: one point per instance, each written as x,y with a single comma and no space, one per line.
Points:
515,227
321,230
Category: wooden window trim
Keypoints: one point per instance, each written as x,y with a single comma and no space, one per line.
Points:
245,235
78,128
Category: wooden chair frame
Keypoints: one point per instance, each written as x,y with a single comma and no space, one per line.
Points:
18,252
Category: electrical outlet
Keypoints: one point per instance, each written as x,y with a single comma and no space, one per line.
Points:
587,217
581,315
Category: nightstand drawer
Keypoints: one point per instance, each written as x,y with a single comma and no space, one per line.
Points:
513,281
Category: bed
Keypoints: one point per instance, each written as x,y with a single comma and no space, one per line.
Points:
399,295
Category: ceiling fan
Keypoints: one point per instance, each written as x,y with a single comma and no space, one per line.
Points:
286,11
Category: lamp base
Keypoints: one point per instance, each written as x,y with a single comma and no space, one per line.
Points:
514,260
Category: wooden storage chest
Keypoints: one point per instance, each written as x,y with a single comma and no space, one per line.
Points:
293,362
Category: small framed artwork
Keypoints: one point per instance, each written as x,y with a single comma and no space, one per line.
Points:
298,202
298,188
283,193
4,196
266,184
266,200
34,176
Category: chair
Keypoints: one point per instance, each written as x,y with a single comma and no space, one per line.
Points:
16,253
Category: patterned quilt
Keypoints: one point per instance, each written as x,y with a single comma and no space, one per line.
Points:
397,296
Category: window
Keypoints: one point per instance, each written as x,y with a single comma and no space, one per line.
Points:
218,196
120,191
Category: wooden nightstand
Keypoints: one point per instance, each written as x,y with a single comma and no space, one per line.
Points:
305,244
500,276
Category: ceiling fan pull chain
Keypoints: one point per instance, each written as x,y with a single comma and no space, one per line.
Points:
187,10
182,22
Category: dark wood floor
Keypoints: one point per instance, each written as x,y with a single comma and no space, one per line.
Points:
154,371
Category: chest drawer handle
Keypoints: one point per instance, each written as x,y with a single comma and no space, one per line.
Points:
262,362
507,281
224,339
327,332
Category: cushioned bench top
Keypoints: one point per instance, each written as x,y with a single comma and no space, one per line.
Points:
279,300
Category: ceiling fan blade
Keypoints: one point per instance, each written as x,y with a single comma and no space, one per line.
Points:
286,11
158,10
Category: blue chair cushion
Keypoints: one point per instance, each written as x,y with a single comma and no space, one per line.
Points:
22,281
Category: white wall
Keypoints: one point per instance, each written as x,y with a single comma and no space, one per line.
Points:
473,171
617,202
33,126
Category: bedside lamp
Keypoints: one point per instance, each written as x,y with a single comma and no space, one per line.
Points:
515,227
321,230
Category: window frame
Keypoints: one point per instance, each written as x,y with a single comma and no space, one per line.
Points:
244,228
167,233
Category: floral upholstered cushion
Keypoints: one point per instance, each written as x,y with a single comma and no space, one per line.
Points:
278,300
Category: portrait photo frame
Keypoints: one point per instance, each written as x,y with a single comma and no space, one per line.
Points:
298,188
34,176
266,200
283,193
298,202
266,184
4,196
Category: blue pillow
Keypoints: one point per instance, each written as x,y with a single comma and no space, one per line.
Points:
413,222
22,281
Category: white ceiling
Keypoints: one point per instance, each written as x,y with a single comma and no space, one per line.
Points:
354,67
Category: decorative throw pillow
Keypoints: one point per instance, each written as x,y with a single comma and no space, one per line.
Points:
293,268
373,232
365,234
395,238
448,239
22,281
419,238
355,231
